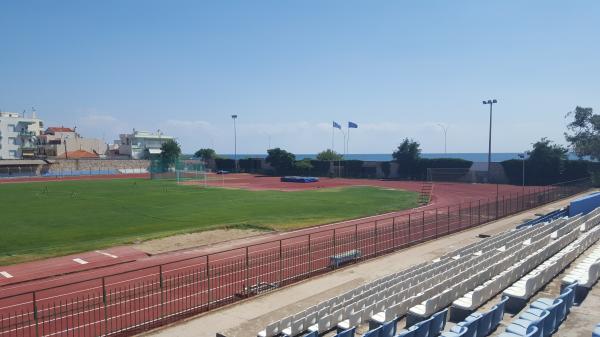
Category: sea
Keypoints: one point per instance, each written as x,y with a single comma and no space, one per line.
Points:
472,156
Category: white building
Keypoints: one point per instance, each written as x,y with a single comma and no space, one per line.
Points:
19,135
140,144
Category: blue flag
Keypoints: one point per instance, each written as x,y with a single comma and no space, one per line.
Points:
336,125
352,125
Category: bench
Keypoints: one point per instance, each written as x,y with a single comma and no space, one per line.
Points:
339,259
255,289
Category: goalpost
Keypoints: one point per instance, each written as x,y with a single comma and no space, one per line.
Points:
459,175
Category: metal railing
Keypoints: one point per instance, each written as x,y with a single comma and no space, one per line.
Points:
125,303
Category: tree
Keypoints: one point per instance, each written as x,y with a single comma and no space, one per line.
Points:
303,166
545,150
585,133
281,160
329,155
408,151
205,154
169,153
407,156
547,161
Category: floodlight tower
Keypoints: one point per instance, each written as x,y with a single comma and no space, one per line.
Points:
234,117
491,102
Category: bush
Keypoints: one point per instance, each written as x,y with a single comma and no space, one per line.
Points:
385,167
547,172
303,167
320,168
418,169
249,164
225,164
353,168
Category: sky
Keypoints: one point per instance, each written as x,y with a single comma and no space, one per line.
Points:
290,68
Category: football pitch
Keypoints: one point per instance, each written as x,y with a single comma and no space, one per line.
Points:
46,219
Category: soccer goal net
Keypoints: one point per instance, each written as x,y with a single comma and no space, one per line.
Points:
461,175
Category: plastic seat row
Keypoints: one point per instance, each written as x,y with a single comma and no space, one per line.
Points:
587,272
479,324
396,292
543,317
427,328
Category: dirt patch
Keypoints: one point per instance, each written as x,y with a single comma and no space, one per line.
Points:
192,240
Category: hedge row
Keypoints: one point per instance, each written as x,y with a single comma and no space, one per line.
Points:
549,172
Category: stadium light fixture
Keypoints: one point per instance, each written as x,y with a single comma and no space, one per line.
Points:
235,163
491,102
445,129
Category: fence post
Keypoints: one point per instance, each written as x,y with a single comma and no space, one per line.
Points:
208,280
460,216
334,242
309,256
104,302
161,284
479,212
448,218
409,216
470,213
393,233
35,315
436,223
247,269
423,226
375,243
356,236
280,261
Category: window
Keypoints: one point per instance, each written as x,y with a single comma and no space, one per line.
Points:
12,154
12,140
12,127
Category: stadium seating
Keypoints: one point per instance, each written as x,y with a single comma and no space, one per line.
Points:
466,278
585,274
596,332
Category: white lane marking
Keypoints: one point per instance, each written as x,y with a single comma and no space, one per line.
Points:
106,254
6,274
80,261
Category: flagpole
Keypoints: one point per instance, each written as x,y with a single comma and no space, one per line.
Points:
332,135
348,139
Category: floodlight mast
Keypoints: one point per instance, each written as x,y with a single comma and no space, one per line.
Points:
491,102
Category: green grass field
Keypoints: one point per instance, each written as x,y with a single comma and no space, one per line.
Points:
57,218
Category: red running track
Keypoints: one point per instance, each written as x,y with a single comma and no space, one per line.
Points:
155,290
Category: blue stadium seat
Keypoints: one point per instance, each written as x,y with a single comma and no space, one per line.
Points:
388,329
312,334
485,323
596,332
554,318
374,332
530,331
549,317
347,333
438,322
471,325
422,328
517,326
457,331
406,333
498,315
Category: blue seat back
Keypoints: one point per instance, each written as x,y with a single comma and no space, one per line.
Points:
374,333
406,333
422,328
561,310
312,334
460,331
485,323
533,331
347,333
388,329
568,295
499,312
438,322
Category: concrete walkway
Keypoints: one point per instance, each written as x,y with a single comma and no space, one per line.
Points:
245,319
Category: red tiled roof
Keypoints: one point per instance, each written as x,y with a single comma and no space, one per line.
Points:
59,129
78,155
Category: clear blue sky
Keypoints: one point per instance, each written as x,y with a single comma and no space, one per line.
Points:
288,68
